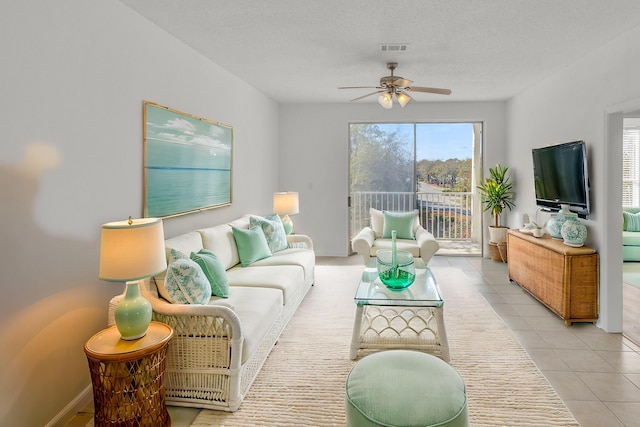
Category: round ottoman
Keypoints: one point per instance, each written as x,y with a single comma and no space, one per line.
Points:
406,389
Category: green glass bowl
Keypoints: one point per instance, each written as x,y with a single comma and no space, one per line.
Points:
397,278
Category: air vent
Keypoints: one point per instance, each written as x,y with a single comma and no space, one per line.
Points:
394,47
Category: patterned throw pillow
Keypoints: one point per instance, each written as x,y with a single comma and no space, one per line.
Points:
402,222
214,270
631,221
186,283
273,231
252,245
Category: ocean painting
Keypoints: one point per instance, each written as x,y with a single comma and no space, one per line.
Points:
187,162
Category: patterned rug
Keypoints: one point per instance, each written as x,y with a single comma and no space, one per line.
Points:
302,381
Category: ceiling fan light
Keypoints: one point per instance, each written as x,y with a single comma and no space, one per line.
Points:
403,98
386,100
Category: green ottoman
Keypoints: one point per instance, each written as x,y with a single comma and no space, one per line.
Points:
406,389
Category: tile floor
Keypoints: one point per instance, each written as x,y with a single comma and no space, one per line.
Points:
595,373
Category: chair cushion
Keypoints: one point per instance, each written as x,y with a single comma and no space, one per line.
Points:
220,241
257,308
630,238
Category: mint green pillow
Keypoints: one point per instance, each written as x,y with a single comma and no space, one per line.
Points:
252,245
214,270
402,222
273,231
631,221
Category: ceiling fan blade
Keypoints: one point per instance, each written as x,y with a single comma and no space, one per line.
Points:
369,94
429,90
360,87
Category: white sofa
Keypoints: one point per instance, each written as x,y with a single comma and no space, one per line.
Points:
218,348
370,239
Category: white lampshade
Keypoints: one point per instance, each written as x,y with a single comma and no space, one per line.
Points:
403,98
286,203
132,250
386,100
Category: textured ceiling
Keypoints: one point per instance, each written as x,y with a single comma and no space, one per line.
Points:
302,50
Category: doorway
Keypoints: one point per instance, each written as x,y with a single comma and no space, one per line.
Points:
631,201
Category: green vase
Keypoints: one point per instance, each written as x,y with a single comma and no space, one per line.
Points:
395,268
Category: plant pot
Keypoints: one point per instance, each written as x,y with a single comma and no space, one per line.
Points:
498,251
498,234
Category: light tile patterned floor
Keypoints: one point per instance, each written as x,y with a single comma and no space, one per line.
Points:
595,373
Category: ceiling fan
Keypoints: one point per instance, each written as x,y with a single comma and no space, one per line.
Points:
395,85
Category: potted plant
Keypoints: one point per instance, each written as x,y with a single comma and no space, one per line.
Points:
497,194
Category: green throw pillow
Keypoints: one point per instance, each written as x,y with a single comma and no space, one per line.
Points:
631,221
273,231
402,222
252,245
214,270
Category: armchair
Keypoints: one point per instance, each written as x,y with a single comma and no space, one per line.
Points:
370,239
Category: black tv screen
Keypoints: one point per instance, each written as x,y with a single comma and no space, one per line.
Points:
560,177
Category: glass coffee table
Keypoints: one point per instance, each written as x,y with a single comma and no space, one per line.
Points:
407,319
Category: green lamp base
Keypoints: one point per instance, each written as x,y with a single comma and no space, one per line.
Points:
133,313
287,224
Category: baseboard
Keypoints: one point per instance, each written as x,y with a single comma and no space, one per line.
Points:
76,405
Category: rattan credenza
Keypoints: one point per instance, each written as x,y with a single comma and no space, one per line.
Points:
563,278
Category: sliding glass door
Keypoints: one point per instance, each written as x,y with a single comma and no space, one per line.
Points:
431,167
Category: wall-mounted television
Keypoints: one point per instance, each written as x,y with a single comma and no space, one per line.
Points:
561,177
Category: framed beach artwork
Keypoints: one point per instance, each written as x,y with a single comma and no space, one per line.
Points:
187,162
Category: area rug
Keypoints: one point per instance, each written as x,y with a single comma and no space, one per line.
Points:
302,381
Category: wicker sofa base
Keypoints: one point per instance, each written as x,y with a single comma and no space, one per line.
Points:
213,387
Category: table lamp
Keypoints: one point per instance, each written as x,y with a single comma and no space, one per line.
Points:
131,251
285,204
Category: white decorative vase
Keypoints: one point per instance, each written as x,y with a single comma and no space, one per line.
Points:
554,226
538,232
574,232
555,223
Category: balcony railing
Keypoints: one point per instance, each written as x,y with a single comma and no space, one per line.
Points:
446,215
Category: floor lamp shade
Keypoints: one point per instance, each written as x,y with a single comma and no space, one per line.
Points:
285,204
129,252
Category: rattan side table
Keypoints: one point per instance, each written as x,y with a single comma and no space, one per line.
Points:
127,377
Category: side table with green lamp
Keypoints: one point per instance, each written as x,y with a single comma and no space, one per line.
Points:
127,377
127,360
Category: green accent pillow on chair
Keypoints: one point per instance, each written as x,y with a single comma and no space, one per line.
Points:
214,270
631,221
402,222
252,245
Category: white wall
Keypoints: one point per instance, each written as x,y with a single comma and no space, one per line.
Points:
73,78
315,151
571,105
